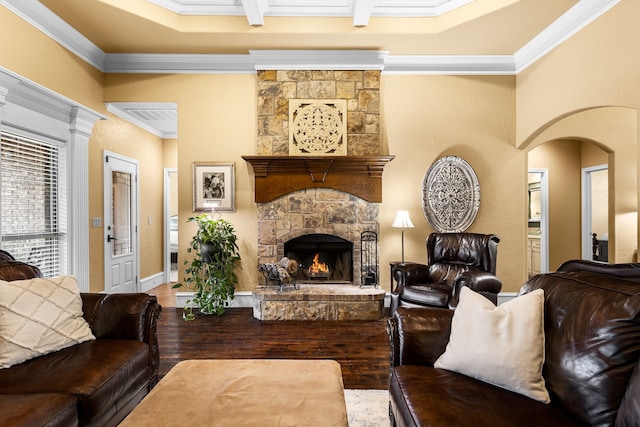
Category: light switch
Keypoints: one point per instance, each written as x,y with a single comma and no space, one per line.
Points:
96,222
149,220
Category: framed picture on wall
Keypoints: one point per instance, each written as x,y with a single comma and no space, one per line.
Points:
214,187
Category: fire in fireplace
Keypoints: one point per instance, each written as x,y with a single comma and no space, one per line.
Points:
325,258
317,268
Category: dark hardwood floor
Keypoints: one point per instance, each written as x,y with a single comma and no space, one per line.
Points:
361,347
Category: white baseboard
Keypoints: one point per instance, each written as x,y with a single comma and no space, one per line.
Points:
506,296
241,300
151,282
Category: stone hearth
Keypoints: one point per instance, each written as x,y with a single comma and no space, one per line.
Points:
319,302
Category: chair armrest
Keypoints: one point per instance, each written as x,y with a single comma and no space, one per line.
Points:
479,281
131,316
418,336
408,274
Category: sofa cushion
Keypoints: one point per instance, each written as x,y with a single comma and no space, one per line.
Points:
501,345
99,373
45,410
424,396
592,335
39,316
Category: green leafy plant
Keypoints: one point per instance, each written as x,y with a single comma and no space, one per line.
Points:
210,274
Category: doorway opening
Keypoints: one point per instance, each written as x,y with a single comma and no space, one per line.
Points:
170,225
595,213
538,221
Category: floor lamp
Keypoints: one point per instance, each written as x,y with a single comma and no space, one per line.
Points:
402,221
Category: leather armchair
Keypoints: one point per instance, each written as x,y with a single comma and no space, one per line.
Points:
454,260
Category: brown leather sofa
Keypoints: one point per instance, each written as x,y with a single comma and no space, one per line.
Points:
454,260
591,369
95,383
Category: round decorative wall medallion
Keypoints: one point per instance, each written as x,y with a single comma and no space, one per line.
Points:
317,128
450,195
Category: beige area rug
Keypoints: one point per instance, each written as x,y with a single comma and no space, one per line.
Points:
367,408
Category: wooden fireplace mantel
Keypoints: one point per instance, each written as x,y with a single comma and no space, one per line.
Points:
276,176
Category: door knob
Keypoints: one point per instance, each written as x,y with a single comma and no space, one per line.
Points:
109,239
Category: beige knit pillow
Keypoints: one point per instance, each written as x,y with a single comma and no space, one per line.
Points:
502,345
39,316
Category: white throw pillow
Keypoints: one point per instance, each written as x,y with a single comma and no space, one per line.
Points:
39,316
502,345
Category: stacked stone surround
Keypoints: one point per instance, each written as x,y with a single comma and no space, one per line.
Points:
310,211
317,210
361,90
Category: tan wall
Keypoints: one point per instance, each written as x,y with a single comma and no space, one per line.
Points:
170,153
217,123
33,55
563,161
427,117
595,67
118,136
615,131
592,155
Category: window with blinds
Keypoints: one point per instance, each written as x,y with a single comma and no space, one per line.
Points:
33,202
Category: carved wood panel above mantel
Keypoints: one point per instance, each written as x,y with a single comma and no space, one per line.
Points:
276,176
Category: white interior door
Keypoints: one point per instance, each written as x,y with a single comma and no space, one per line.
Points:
120,224
595,209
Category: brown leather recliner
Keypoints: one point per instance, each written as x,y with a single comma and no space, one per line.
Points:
454,260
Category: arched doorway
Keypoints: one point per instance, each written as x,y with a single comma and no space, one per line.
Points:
575,136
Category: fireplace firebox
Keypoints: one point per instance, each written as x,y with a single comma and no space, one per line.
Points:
325,258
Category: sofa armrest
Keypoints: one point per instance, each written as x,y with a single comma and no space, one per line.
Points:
479,281
131,316
629,271
417,335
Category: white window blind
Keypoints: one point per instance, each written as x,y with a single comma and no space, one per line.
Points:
33,202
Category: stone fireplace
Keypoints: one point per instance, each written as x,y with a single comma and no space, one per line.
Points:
327,216
320,205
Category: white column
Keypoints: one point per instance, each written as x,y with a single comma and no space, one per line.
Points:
80,127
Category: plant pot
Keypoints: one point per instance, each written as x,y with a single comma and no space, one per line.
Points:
208,252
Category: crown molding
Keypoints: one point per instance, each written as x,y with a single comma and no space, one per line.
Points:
36,14
318,59
35,97
177,63
450,65
576,18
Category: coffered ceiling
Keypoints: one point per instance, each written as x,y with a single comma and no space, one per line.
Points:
240,36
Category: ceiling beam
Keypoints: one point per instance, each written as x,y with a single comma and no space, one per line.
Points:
362,12
255,10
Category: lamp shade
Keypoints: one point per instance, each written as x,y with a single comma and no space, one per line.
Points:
402,220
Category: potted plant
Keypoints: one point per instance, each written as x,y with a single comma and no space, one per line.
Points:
210,274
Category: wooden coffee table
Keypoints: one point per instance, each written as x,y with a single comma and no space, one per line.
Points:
245,392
